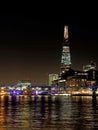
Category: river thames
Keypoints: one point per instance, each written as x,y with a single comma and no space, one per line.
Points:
48,113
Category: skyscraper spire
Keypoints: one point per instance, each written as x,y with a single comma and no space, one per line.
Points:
66,32
65,58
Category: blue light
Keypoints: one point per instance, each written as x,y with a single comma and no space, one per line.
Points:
14,92
53,92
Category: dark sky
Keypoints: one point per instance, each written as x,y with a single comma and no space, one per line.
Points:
30,48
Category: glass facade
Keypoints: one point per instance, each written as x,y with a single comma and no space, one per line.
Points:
66,58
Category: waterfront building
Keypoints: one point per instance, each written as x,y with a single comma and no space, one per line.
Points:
70,77
91,66
52,77
23,84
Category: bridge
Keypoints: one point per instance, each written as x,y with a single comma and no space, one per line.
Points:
35,89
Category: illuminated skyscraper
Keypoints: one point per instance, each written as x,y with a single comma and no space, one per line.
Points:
65,58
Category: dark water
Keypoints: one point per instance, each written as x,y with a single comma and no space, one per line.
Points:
48,113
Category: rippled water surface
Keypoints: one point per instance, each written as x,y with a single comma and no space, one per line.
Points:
48,113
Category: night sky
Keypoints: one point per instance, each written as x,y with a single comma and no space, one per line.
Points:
31,48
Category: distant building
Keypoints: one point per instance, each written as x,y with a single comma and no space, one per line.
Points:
52,77
91,66
23,84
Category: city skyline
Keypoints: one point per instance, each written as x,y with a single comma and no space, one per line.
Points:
31,49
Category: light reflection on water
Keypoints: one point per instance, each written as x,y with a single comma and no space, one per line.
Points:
48,113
